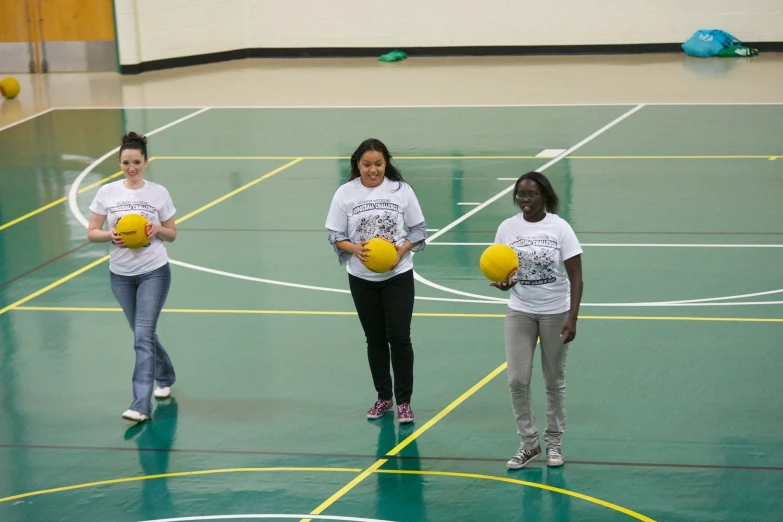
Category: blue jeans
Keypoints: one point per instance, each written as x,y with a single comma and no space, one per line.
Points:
141,298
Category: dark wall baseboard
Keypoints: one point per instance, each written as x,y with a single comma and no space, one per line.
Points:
370,52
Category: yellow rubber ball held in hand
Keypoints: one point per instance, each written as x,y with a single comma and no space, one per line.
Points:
9,87
382,255
498,263
132,228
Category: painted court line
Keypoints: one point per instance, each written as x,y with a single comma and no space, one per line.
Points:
97,262
318,516
413,458
431,106
415,314
555,160
509,189
86,172
416,434
26,119
487,157
228,517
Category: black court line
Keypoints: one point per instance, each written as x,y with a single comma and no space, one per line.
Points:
52,260
374,457
321,230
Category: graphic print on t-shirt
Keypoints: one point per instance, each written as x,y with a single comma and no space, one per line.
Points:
142,208
537,257
379,219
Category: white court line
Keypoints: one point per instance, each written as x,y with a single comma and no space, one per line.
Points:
481,298
72,193
232,275
270,515
469,203
664,245
26,119
540,169
510,188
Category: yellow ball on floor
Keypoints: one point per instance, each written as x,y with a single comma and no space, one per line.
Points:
132,228
498,263
9,87
382,255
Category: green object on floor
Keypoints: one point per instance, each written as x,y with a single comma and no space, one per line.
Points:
393,56
737,50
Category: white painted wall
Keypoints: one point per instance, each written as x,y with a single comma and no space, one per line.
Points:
156,29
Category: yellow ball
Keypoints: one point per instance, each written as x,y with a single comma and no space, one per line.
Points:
9,87
382,255
498,263
133,230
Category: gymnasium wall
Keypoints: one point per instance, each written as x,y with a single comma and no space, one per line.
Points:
57,36
150,30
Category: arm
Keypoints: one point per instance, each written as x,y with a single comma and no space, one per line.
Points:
166,231
573,266
414,242
356,249
96,234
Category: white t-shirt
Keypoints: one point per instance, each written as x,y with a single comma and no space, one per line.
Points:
542,248
153,202
383,211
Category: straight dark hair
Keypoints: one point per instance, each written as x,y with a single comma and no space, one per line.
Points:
392,172
551,201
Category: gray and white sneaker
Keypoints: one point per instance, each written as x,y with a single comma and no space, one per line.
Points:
522,457
554,457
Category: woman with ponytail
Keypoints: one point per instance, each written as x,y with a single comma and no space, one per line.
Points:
140,278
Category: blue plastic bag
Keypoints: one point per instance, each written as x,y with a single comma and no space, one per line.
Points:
708,42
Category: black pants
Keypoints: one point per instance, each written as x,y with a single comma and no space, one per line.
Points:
385,309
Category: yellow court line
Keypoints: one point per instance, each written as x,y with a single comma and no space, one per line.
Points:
670,157
57,202
415,314
301,158
168,475
594,500
53,285
312,158
445,411
488,157
338,470
180,220
237,191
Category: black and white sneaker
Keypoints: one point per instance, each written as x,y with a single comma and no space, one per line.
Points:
522,457
554,457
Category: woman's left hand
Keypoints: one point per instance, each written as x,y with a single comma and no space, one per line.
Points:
568,332
152,230
400,252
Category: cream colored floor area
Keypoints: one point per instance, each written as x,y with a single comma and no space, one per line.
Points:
415,81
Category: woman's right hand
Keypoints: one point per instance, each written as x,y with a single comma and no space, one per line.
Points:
117,240
360,251
504,286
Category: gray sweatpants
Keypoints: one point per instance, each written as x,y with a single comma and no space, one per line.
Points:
522,332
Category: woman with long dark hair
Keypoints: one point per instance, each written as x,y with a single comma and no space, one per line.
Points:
377,202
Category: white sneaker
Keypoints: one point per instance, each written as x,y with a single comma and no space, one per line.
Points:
162,393
554,457
135,416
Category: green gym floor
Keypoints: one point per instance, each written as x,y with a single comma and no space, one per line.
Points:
674,379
